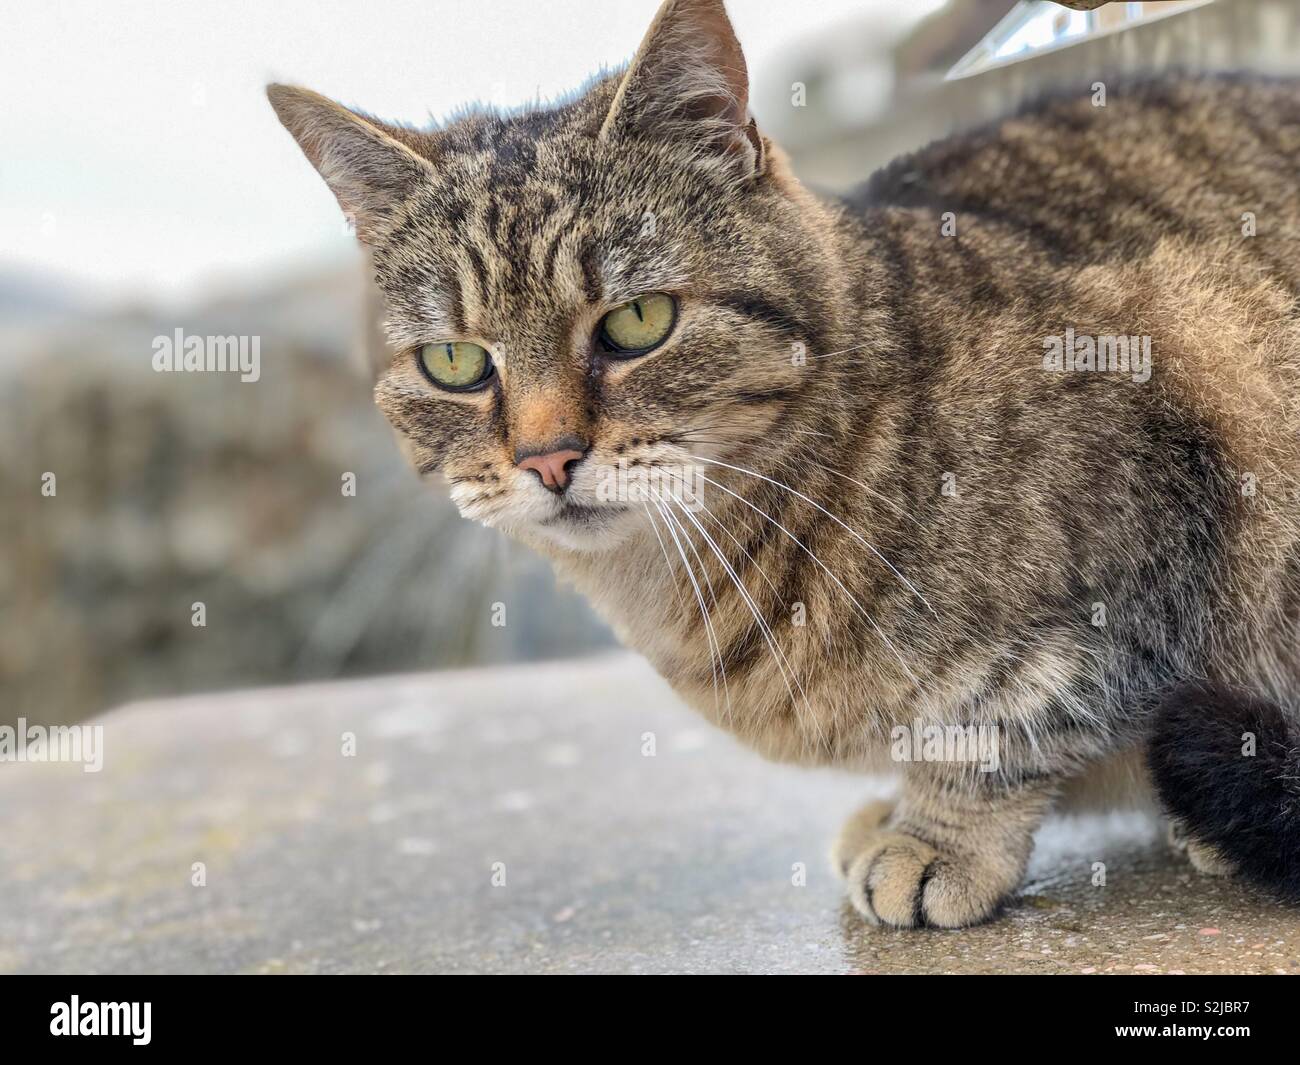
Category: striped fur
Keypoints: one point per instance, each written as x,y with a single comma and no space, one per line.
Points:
910,521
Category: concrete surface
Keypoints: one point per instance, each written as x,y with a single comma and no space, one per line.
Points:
614,861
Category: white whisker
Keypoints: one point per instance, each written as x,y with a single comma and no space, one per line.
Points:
840,584
710,635
872,492
778,654
654,525
716,521
851,531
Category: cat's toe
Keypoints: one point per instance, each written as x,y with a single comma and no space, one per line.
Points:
888,878
856,834
903,882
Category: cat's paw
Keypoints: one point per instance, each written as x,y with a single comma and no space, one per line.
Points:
903,882
1204,858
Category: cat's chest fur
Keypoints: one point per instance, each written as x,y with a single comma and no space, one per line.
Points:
787,694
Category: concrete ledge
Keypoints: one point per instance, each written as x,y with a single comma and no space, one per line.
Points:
383,861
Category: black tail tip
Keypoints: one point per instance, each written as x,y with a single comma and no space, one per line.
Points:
1227,764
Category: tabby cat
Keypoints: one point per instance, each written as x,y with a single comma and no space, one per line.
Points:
1005,444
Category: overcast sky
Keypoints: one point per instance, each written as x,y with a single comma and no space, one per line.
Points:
140,159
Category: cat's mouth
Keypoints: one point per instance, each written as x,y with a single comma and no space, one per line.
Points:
582,515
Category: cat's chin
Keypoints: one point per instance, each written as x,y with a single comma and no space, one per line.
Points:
582,529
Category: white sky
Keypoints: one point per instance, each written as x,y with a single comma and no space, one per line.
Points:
139,158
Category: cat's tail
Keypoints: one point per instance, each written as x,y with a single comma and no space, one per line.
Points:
1226,764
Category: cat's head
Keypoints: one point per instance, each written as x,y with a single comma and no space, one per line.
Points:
624,281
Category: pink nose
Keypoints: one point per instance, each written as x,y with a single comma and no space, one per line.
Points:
550,467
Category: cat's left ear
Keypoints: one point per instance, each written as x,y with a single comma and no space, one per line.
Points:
689,82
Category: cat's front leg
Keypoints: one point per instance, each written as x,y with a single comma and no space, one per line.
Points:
951,850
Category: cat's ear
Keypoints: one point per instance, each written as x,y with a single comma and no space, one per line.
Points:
367,167
689,82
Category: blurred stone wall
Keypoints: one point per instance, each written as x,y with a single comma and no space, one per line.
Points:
179,488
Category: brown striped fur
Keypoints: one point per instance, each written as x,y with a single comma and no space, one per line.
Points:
885,600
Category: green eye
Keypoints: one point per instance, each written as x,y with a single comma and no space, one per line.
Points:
458,366
638,326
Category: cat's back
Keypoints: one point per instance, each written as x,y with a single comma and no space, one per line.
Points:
1096,172
1167,214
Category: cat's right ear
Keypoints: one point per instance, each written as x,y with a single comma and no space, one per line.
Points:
369,170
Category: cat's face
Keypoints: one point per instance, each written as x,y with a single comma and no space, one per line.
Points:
614,286
536,264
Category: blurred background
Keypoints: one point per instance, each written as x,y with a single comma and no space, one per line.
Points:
146,187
